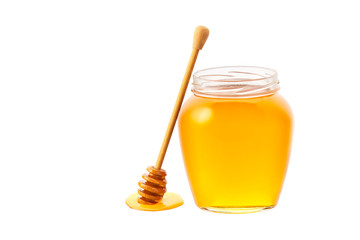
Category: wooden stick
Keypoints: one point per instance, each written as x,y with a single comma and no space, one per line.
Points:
200,36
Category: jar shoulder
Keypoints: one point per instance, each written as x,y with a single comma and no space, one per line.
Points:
273,104
280,104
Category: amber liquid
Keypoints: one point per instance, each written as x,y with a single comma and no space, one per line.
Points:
169,201
236,151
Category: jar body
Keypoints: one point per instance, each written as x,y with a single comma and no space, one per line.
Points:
236,151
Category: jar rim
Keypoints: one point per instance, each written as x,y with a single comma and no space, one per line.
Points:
235,82
274,72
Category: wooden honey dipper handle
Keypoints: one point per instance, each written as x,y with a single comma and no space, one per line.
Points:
200,36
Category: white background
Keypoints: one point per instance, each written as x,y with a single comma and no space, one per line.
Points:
87,88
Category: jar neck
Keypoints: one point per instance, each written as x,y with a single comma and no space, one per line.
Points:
235,82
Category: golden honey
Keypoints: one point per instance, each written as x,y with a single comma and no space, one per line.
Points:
152,195
169,201
235,143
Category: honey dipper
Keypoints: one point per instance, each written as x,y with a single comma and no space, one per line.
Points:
153,186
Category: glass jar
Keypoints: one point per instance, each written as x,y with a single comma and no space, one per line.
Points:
235,134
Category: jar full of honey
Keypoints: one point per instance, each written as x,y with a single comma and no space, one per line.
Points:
235,134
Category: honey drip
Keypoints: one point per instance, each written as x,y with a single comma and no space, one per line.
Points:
169,201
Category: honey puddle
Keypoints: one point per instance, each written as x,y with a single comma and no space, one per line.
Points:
169,201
